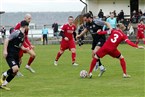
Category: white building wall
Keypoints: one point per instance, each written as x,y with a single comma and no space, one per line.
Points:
109,6
142,5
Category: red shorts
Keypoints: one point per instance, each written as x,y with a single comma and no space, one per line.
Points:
22,51
67,44
140,35
104,51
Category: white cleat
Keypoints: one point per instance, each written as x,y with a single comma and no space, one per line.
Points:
55,63
30,69
126,76
90,75
75,64
19,74
101,72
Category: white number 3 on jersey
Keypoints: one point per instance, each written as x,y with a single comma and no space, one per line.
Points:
115,38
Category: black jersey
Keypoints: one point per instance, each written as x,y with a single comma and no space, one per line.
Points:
93,28
15,42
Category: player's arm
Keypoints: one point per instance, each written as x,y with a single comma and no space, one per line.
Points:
132,44
75,34
6,42
82,33
24,49
104,32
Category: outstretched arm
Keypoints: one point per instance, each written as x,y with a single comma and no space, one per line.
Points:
133,45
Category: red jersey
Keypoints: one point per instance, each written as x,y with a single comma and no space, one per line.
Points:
115,38
26,40
141,28
68,30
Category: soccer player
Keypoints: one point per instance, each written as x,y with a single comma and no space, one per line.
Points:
110,48
140,32
93,25
68,42
27,44
12,46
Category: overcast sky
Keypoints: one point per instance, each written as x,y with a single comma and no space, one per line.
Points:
40,5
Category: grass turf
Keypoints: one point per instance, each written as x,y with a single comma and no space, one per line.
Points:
64,81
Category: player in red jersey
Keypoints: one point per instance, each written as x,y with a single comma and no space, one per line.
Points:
27,44
68,33
110,48
140,32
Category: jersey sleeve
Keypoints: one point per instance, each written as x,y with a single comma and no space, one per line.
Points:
63,27
14,35
17,27
99,22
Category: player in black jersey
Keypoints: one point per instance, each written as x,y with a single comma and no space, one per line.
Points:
93,25
12,46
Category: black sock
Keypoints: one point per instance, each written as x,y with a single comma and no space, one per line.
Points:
99,62
10,71
10,77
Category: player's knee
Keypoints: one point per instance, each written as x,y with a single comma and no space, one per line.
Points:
95,56
73,50
121,57
33,55
15,69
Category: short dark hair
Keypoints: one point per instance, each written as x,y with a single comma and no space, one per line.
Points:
88,15
24,23
70,17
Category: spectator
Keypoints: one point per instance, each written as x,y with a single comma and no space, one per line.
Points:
81,39
55,29
121,15
144,13
3,33
112,21
134,16
100,14
114,12
44,33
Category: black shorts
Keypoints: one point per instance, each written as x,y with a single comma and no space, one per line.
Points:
12,61
97,43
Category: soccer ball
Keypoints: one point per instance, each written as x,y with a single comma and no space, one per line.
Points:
83,74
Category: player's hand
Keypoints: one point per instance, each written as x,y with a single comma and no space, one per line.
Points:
65,38
78,36
5,53
141,47
32,46
98,30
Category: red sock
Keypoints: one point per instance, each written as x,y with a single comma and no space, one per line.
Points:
30,60
92,65
73,57
123,65
58,56
136,42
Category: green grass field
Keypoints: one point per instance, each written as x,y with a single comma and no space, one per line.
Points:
64,81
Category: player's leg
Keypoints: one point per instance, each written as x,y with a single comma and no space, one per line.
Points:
31,59
43,40
99,54
73,51
58,56
72,48
20,62
10,73
63,47
116,54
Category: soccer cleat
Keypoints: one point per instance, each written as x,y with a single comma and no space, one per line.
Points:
96,67
75,64
90,75
5,88
126,76
3,78
101,72
30,69
55,63
19,74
